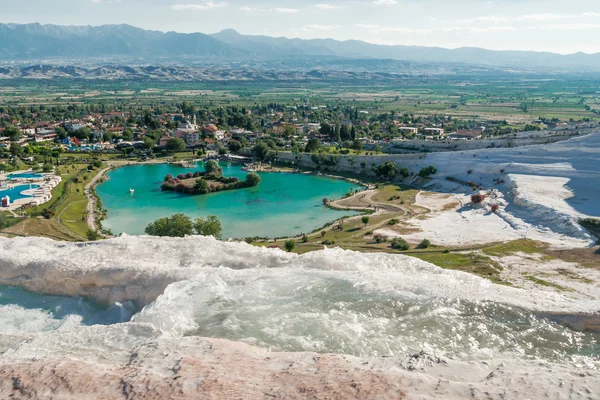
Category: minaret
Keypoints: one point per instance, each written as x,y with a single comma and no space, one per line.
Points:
194,122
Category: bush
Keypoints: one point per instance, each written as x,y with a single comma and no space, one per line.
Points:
477,198
400,244
365,219
92,235
425,244
304,239
289,245
495,207
393,222
426,172
47,213
379,238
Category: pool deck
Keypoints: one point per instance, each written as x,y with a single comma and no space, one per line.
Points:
39,195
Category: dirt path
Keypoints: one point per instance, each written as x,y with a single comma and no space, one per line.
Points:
92,202
364,201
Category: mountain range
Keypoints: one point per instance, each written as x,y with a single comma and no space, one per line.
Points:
36,42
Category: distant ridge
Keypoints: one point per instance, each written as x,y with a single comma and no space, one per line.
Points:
44,42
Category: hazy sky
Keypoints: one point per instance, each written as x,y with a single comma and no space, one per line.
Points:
564,26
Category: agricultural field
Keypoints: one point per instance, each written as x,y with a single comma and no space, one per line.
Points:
517,100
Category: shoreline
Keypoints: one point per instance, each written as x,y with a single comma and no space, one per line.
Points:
112,164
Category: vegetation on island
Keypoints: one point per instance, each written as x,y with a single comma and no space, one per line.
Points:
209,181
180,225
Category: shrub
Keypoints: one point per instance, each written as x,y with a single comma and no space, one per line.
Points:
92,235
168,178
304,239
189,175
47,213
289,245
393,222
181,176
400,244
328,242
425,244
426,172
365,219
379,238
477,198
323,233
495,207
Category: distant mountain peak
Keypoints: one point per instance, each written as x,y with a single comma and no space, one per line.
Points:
43,42
230,32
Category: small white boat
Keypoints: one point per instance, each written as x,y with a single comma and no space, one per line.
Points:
131,191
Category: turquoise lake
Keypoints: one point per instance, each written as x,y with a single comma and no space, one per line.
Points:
282,205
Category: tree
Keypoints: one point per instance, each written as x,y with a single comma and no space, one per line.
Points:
13,133
209,226
56,154
312,146
426,172
261,151
288,131
127,134
176,144
253,179
48,168
365,219
389,169
404,172
213,167
357,145
234,146
177,225
289,245
61,133
201,186
149,143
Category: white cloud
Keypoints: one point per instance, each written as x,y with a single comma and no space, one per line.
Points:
490,19
317,27
94,1
377,29
385,2
207,5
247,9
542,17
285,10
367,26
327,7
565,27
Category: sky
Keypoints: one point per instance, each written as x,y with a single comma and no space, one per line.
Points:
540,25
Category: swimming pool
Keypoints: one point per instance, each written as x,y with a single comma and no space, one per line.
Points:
15,192
25,175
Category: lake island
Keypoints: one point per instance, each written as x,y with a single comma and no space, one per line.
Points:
209,181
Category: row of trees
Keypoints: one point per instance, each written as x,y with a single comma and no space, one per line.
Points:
180,225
